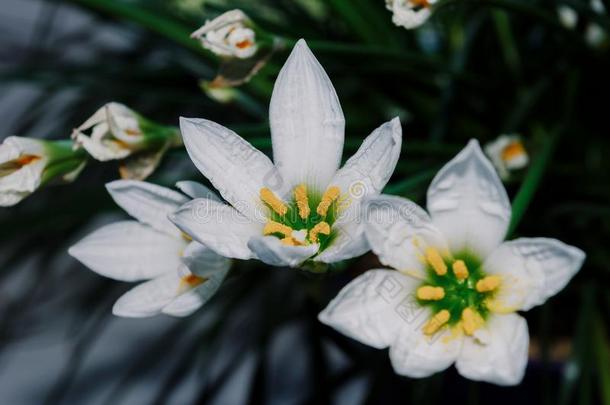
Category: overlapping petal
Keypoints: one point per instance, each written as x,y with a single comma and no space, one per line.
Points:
272,251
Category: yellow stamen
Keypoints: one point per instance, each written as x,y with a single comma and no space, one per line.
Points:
331,194
288,241
300,196
436,261
488,283
26,159
186,237
320,228
460,270
429,293
275,227
272,201
471,321
189,282
437,321
513,150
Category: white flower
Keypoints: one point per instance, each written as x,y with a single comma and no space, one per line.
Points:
302,207
410,13
229,34
26,164
458,285
116,132
183,275
507,153
594,33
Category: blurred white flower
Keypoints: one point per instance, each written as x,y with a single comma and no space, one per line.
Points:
230,34
182,275
507,153
594,34
457,286
410,13
26,164
303,207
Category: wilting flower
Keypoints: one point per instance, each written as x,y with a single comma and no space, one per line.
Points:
27,164
507,153
458,286
230,34
410,13
302,207
116,132
183,275
595,35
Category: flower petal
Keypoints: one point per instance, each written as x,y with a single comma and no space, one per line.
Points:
196,190
270,250
235,168
129,251
533,270
149,298
399,231
349,242
468,203
148,203
372,308
218,226
307,124
203,261
503,359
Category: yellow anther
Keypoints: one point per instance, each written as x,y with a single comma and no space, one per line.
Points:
437,321
300,196
429,293
331,194
289,241
189,282
436,261
460,270
275,227
488,283
471,321
320,228
272,201
186,237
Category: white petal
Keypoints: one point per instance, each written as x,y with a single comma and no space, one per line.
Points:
270,250
235,168
129,251
399,231
218,226
203,261
102,150
367,172
503,359
307,124
414,354
148,203
372,308
196,190
468,203
532,270
349,242
149,298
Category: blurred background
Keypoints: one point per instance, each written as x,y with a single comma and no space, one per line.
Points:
476,69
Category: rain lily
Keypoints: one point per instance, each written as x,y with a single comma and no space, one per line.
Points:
456,285
230,34
410,13
26,164
302,207
507,153
182,275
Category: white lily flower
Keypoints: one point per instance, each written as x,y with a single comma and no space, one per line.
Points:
507,154
182,275
26,164
457,286
116,132
303,206
410,13
229,34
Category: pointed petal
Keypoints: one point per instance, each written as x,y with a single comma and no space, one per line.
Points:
307,124
196,190
372,308
218,226
129,251
350,242
148,203
533,270
503,359
468,203
149,298
235,168
270,250
399,231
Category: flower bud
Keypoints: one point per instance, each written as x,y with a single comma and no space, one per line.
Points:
231,34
